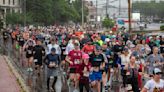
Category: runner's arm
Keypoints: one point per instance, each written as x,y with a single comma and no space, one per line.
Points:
144,90
68,60
45,60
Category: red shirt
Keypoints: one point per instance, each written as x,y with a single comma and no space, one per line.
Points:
88,49
75,57
83,65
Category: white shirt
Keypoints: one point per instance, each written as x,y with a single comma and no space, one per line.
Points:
69,48
125,59
151,85
56,46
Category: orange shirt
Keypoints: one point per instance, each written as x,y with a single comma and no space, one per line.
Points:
14,33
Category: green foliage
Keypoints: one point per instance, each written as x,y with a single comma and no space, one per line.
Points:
39,10
46,12
149,8
108,23
14,18
53,11
162,27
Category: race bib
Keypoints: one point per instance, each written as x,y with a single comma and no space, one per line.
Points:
77,61
29,51
89,53
63,48
21,39
52,64
5,36
35,60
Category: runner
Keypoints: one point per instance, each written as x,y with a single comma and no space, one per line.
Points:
156,84
154,60
84,76
132,74
88,48
125,59
54,45
28,48
38,53
5,34
74,58
52,64
98,64
63,55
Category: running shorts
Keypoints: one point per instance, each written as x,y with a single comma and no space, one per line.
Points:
95,76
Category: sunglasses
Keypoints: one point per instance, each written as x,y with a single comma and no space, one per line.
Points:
158,73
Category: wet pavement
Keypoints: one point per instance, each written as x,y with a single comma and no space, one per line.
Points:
8,82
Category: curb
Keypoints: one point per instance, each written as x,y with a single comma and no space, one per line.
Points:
20,80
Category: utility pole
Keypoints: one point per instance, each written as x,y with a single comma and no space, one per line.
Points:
82,13
129,14
119,7
96,11
107,2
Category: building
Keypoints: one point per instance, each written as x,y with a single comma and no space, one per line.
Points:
91,11
9,6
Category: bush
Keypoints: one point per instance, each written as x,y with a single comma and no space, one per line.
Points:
108,23
162,27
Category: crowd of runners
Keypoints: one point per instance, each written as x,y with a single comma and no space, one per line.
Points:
93,60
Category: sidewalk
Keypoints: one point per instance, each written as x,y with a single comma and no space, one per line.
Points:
8,82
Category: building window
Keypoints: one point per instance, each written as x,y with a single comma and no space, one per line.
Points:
13,2
9,2
91,16
3,1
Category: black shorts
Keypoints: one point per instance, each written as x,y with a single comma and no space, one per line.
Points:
102,70
38,62
29,55
21,43
72,70
162,50
63,57
5,39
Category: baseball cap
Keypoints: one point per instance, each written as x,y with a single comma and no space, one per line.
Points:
98,48
157,71
53,49
85,56
126,49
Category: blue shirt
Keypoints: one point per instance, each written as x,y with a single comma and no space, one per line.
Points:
51,58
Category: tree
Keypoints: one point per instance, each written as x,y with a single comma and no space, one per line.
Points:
40,10
14,18
162,27
46,12
149,8
108,23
